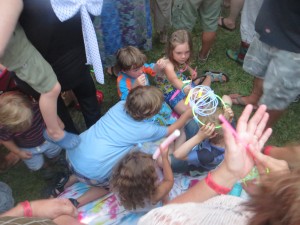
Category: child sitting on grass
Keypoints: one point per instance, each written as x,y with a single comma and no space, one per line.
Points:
139,183
134,72
21,130
174,81
113,136
205,150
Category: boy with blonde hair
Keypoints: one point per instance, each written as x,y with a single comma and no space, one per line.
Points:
21,130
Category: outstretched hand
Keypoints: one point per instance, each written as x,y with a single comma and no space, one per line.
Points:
251,137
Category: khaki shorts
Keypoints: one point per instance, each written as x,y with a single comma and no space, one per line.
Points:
29,65
280,70
185,14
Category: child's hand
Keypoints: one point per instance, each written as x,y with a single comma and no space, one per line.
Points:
164,152
228,113
25,155
160,65
206,131
140,81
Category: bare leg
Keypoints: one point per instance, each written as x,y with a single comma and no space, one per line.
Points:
72,180
235,9
180,140
208,39
274,116
92,194
48,106
180,108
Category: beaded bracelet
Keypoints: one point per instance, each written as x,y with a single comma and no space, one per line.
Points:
217,188
26,208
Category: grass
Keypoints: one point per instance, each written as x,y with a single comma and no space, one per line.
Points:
28,185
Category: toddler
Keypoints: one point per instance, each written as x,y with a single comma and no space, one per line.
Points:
139,183
205,150
21,130
112,137
173,82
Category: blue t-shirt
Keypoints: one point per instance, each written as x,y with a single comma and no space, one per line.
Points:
107,141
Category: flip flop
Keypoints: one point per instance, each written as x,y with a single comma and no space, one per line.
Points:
222,25
237,100
216,76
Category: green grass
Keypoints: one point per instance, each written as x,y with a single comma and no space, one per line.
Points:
28,185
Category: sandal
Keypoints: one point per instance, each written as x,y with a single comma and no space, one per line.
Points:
58,187
216,76
237,100
223,25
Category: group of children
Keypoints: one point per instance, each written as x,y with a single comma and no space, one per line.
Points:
106,156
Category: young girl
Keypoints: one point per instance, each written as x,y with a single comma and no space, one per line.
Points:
139,183
178,55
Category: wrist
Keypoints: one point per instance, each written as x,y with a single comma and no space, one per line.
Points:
27,210
223,177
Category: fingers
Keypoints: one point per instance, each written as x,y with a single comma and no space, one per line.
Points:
264,137
243,120
257,120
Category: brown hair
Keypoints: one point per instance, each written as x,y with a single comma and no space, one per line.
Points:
144,102
134,179
276,200
130,58
15,111
178,37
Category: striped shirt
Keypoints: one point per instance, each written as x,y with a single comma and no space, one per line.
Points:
32,137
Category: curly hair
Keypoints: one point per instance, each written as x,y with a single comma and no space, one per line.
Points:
144,102
134,180
178,37
15,111
130,58
276,200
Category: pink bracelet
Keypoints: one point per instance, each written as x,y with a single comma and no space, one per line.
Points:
267,150
217,188
26,208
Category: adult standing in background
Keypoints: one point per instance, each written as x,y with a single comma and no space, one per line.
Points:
123,23
185,14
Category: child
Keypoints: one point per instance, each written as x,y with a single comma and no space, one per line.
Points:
133,73
178,55
205,150
21,130
29,65
112,137
139,183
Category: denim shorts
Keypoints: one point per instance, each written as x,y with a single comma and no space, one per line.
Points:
36,162
280,70
83,179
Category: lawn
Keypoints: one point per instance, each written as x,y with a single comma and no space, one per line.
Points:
28,185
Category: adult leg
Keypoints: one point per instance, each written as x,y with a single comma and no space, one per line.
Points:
235,9
208,39
85,93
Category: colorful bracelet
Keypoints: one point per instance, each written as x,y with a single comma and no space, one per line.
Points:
184,86
217,188
267,150
26,208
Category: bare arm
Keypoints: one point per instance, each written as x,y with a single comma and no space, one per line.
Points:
168,181
10,11
11,146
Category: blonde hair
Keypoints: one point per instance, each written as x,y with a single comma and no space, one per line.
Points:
15,112
130,58
178,37
134,180
144,102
